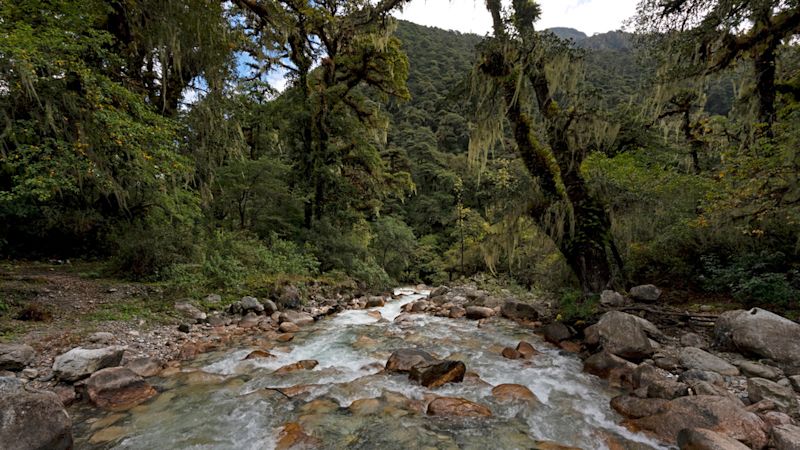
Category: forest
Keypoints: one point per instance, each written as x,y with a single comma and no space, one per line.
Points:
241,145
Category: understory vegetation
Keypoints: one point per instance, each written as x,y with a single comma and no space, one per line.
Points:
239,147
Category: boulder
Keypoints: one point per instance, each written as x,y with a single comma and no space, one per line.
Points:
189,311
145,367
622,334
718,414
374,302
667,389
616,370
456,407
289,327
439,291
762,389
786,437
479,312
405,359
754,369
505,393
15,357
794,380
80,362
251,304
118,389
612,299
556,332
759,332
701,375
457,312
510,353
515,310
436,374
306,364
646,293
289,297
101,338
702,439
694,340
269,307
526,350
296,317
694,358
634,407
259,354
32,420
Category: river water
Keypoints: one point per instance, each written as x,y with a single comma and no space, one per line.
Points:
225,402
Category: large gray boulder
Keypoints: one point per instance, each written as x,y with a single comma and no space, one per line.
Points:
695,358
786,437
189,311
296,317
15,357
515,310
646,293
783,396
759,332
621,334
79,363
702,439
32,420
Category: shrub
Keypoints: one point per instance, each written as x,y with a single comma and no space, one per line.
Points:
753,278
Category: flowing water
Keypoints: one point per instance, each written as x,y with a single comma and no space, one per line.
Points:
225,402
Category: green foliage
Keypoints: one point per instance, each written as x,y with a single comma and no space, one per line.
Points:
393,246
573,306
754,278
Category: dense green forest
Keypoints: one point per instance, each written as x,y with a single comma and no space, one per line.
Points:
151,135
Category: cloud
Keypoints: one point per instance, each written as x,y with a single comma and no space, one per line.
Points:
470,16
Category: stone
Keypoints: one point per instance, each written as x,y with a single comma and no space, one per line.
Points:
456,407
667,389
646,293
513,393
293,436
694,340
479,312
786,437
695,358
701,375
616,370
259,354
759,332
213,299
15,357
404,360
794,380
515,310
439,291
718,414
510,353
118,389
556,332
285,337
269,307
250,320
611,299
667,363
79,363
438,373
526,350
189,311
251,304
621,334
775,418
754,369
306,364
702,439
634,407
784,397
289,327
185,328
644,374
375,302
457,312
101,338
289,297
145,367
296,317
31,419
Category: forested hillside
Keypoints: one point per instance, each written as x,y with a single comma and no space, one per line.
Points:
162,149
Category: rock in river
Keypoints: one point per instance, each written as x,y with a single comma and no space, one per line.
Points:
479,312
118,389
32,420
435,374
80,362
457,407
405,359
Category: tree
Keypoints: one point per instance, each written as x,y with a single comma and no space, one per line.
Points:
518,75
702,37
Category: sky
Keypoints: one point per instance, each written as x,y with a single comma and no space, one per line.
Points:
470,16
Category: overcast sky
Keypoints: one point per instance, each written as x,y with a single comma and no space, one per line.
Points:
470,16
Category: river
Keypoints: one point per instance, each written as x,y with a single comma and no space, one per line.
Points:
222,401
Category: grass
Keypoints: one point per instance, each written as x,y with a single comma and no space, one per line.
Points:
149,310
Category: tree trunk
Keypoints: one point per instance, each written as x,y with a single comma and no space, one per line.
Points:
765,86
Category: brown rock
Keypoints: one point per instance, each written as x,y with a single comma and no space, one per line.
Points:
145,367
786,437
258,354
404,360
702,439
292,436
513,392
635,408
436,374
526,350
285,337
479,312
719,414
118,389
510,353
456,407
570,346
375,314
32,419
457,312
616,370
556,332
289,327
306,364
365,406
667,389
